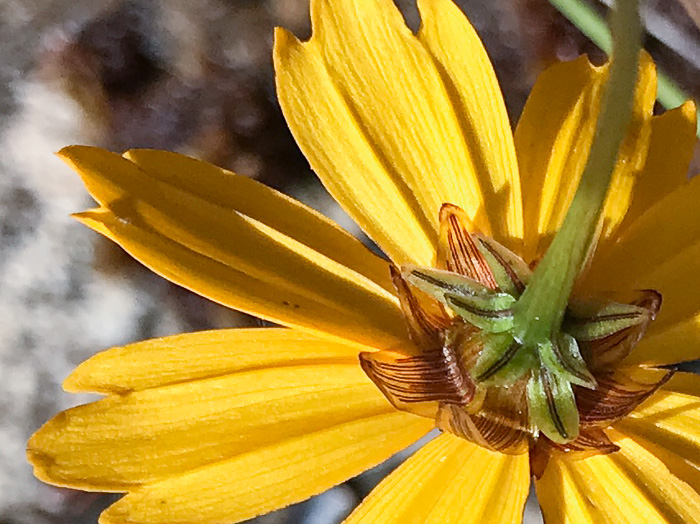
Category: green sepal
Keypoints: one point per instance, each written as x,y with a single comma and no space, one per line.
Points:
509,270
563,358
552,406
437,282
588,321
489,312
502,360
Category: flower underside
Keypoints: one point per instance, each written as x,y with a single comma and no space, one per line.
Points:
474,377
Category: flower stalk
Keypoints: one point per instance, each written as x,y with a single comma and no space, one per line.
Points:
539,312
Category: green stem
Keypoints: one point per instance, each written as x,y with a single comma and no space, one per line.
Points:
591,24
539,312
670,95
587,20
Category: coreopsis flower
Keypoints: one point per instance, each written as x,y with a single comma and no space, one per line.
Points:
409,133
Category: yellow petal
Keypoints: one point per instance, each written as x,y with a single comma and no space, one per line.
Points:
227,447
632,156
660,251
676,280
555,118
676,462
259,202
671,148
193,356
467,72
195,241
676,343
271,477
631,485
668,425
659,234
377,117
449,481
553,139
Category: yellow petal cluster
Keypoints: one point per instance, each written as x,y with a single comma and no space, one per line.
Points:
217,427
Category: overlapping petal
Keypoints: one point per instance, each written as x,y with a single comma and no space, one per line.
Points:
663,232
222,426
245,439
553,139
668,425
205,354
660,251
676,343
272,477
630,485
197,238
559,112
265,205
676,280
476,97
667,160
386,122
450,481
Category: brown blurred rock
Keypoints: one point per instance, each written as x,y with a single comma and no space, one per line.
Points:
194,78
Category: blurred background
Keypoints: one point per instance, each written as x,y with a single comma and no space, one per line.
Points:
194,77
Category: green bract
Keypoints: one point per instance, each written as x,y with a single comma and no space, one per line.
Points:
551,367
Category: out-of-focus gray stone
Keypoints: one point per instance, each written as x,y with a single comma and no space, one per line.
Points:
532,513
330,507
57,308
61,300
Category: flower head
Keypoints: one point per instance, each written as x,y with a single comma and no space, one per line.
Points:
409,133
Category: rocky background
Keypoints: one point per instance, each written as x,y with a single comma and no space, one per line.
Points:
194,77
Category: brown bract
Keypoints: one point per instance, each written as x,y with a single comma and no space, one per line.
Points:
438,382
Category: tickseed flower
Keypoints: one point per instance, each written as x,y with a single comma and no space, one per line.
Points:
409,133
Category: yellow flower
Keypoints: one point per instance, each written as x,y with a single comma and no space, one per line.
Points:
221,426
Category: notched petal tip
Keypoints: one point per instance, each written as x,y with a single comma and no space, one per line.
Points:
97,219
39,453
45,469
284,42
89,215
42,466
69,153
39,458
